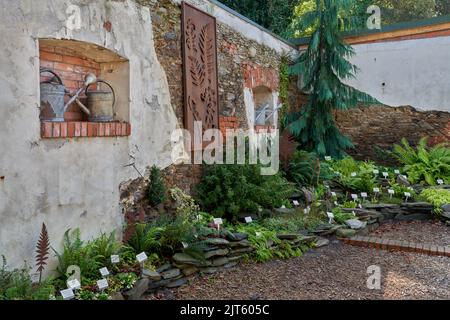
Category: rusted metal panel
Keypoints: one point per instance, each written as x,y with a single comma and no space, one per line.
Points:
201,100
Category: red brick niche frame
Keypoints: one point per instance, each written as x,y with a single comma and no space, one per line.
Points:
72,60
257,76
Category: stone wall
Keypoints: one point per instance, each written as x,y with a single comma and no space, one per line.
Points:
372,128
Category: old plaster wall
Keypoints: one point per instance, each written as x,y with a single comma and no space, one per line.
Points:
73,183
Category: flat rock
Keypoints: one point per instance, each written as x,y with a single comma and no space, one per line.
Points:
209,270
321,242
381,206
230,265
117,296
364,212
152,275
241,250
159,284
218,252
177,283
217,241
220,261
446,215
355,224
138,290
164,267
183,258
237,236
292,236
446,207
242,243
171,273
345,233
189,271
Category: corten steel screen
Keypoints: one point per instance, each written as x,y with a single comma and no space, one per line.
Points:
201,101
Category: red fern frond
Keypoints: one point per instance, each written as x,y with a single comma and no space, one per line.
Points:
42,249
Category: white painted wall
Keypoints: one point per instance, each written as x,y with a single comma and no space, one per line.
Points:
247,29
415,72
72,183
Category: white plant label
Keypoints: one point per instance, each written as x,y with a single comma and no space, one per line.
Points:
330,217
440,181
104,272
327,158
305,211
353,174
391,191
336,203
397,171
218,221
67,294
283,207
73,284
360,206
115,259
102,284
296,203
354,196
376,172
248,220
184,244
385,174
363,195
333,194
141,257
376,190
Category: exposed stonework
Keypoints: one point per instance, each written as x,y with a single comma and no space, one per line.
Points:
372,127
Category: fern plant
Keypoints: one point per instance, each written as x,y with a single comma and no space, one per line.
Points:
145,239
42,251
422,164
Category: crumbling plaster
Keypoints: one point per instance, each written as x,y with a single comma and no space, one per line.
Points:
73,183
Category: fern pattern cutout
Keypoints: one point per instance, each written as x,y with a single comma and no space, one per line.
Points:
42,251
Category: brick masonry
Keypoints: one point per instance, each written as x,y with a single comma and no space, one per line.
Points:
75,129
395,245
72,69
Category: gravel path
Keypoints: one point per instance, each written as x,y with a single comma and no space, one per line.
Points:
434,232
337,271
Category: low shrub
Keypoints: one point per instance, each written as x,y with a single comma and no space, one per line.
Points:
229,190
437,197
157,188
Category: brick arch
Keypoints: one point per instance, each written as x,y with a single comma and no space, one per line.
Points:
258,76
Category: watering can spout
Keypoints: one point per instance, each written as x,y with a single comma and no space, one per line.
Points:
88,80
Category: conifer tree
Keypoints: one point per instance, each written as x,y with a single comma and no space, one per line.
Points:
157,187
323,68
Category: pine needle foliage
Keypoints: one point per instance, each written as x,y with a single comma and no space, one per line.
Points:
324,67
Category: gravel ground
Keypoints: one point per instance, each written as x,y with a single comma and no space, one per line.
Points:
337,271
434,232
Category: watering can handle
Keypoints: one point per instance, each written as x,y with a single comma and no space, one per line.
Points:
52,72
112,90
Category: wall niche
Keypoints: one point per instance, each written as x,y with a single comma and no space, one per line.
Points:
68,62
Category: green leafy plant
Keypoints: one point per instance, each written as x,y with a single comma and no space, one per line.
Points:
324,67
157,188
422,164
144,239
341,216
229,190
305,169
437,197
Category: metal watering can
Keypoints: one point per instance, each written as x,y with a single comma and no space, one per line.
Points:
52,98
101,103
